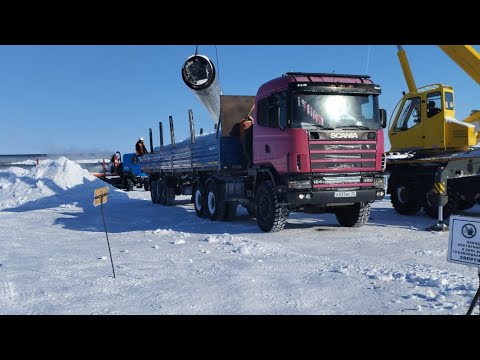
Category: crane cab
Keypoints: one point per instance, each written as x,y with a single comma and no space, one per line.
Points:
425,122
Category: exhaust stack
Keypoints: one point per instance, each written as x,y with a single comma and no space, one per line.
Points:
199,74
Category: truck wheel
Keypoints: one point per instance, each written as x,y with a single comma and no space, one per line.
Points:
231,210
129,185
453,205
405,199
466,204
146,186
251,209
198,199
271,217
355,215
432,211
462,201
161,184
153,192
169,195
215,207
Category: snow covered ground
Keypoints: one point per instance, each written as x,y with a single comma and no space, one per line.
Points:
54,257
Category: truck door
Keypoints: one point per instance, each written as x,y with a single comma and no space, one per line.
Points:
408,131
434,122
271,142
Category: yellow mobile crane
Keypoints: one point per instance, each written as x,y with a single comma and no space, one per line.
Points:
439,169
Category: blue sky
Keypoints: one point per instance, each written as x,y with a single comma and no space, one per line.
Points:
57,99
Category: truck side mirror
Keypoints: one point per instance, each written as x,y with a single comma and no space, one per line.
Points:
383,118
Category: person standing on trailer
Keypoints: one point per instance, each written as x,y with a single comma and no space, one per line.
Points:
140,147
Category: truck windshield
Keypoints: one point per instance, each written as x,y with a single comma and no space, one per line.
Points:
333,111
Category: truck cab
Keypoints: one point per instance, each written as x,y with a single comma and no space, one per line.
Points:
425,123
321,134
131,167
126,174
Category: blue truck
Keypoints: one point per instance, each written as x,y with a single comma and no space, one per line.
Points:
125,174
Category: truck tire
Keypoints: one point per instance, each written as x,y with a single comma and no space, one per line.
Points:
355,215
169,195
129,185
146,186
271,216
161,184
153,192
405,199
453,205
432,211
231,210
251,209
199,199
463,200
215,207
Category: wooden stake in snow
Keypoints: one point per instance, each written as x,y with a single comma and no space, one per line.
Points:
99,198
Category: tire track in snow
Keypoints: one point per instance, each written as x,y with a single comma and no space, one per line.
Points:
8,291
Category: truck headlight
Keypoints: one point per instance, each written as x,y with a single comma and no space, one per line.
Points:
379,182
301,184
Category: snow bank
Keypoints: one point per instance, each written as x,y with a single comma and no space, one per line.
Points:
54,179
63,172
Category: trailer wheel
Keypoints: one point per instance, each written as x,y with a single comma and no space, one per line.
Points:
160,189
405,199
169,195
198,199
153,192
355,215
271,216
216,208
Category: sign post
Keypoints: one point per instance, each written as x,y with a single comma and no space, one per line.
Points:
464,246
99,198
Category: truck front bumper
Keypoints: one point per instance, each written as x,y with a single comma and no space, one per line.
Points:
325,197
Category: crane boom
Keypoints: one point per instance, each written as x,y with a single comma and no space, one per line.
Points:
466,57
407,72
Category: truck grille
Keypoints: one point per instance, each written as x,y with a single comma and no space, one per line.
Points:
341,155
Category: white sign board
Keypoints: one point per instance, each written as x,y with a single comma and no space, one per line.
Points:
464,241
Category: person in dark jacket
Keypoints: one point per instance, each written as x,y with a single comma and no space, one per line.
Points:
140,147
115,163
432,109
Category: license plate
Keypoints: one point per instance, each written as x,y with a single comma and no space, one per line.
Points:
342,194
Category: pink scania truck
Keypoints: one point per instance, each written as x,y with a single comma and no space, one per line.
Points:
307,142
